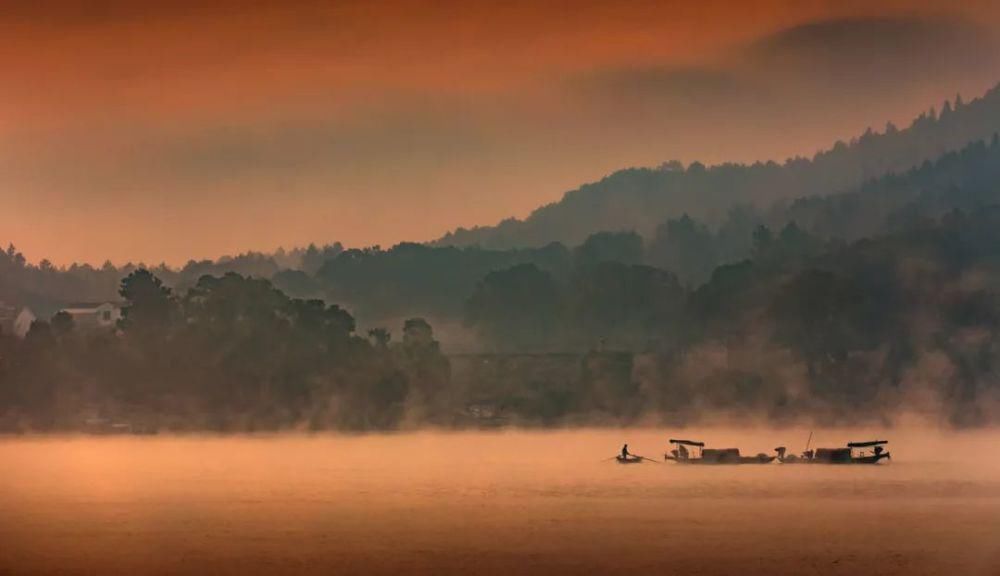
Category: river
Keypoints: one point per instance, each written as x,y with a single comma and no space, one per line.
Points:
511,502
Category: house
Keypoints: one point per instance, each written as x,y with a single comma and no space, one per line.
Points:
95,315
15,320
23,322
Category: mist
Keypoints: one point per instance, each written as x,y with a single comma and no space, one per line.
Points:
546,502
399,287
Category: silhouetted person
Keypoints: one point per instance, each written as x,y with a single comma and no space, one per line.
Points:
625,453
682,451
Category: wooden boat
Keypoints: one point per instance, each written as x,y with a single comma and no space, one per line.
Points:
854,453
682,455
629,460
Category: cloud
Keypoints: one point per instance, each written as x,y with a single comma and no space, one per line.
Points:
837,75
376,139
850,40
860,54
844,52
91,13
673,84
459,113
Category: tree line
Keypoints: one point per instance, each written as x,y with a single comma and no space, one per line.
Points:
435,281
230,353
903,321
801,329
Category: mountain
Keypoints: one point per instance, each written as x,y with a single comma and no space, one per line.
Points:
642,198
967,180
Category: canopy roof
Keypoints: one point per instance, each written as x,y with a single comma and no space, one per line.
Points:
866,444
687,442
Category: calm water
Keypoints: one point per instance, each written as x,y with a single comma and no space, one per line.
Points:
499,503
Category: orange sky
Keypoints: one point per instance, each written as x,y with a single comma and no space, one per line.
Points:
168,131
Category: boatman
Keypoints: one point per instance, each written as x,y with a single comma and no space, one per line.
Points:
625,453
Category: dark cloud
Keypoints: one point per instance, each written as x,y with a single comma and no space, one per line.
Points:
800,77
833,51
854,52
848,40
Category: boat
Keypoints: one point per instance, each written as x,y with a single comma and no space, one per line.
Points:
853,453
681,454
629,459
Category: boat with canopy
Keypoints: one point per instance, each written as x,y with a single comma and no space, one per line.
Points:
694,452
868,452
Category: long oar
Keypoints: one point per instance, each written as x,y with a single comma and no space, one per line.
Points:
651,460
607,459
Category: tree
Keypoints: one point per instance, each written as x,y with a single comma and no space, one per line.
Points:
417,332
626,307
624,247
734,240
762,239
39,335
380,338
516,309
148,301
427,370
62,323
685,247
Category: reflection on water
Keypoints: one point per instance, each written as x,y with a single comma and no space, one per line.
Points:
502,503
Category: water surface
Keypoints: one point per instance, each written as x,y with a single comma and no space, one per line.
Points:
493,503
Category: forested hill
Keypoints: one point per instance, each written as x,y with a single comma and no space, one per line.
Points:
641,198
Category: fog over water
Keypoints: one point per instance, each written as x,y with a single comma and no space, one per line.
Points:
495,503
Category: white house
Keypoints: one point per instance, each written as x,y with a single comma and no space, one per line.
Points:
23,321
89,316
15,320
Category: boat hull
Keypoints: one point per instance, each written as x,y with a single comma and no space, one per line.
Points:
633,460
722,462
873,459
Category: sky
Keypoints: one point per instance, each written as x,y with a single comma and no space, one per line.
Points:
167,131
